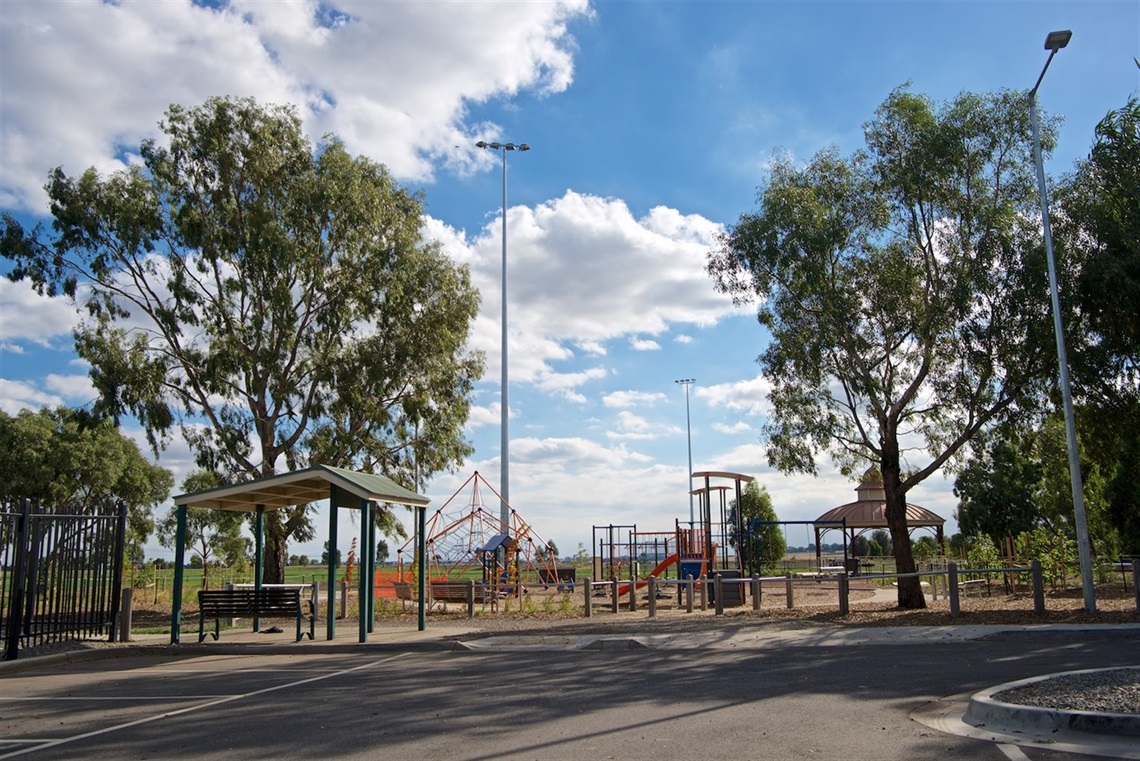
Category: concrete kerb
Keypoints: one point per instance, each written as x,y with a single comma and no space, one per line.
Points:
986,710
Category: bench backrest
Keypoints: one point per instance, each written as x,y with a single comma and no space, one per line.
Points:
249,601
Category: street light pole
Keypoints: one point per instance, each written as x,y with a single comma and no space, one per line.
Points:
1054,42
504,451
686,382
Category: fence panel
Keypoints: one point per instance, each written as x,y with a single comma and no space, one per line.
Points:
61,573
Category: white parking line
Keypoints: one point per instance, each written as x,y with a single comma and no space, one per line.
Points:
1012,752
189,709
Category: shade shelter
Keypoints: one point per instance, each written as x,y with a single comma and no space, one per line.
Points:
869,512
344,489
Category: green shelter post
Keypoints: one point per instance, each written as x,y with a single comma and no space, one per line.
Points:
334,494
421,566
372,570
179,562
258,556
363,587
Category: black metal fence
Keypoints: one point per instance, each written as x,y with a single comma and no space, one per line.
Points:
61,573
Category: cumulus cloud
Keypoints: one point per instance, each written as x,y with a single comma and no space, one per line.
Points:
27,317
630,398
393,80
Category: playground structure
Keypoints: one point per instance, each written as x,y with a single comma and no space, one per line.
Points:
465,541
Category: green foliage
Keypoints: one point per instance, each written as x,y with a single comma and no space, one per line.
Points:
874,549
64,456
212,536
1056,552
277,292
762,547
925,548
981,552
902,290
998,487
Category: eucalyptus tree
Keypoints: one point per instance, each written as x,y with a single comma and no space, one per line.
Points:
64,456
273,300
904,291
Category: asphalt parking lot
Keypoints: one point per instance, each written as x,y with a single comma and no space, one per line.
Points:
539,699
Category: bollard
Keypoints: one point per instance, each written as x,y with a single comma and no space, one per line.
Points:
952,588
632,594
1038,586
588,586
704,592
343,599
652,586
689,593
229,588
844,590
125,611
1136,582
613,594
789,593
471,598
718,593
316,600
755,591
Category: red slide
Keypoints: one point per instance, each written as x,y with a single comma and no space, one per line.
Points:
655,572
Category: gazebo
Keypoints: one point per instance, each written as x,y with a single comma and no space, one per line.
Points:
869,512
343,488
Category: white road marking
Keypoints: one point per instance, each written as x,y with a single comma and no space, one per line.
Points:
1012,752
189,709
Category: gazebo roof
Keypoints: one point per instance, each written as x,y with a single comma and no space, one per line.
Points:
870,510
873,514
301,487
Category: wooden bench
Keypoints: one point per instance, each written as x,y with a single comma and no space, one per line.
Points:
252,603
457,592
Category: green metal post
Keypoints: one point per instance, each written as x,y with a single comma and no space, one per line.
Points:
421,551
179,562
258,556
364,589
372,571
330,632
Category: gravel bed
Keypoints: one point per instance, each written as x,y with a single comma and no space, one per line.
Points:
1110,691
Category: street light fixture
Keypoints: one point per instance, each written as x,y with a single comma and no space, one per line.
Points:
1054,42
504,454
686,382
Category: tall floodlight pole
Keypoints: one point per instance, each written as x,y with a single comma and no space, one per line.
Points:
1054,42
686,382
504,452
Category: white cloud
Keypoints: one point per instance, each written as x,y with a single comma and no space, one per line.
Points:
391,79
25,316
644,344
683,338
733,429
18,395
748,396
630,398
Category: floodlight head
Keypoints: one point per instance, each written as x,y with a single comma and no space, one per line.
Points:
523,147
1057,40
481,144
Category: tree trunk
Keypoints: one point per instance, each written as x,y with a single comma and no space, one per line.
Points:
276,545
910,589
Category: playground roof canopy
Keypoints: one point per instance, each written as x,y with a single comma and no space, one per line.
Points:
300,487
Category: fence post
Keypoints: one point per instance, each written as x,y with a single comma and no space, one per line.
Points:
470,598
652,586
1136,582
952,588
1038,586
844,588
789,593
755,591
343,599
689,593
117,573
125,611
613,594
718,593
15,612
588,586
316,599
704,592
632,592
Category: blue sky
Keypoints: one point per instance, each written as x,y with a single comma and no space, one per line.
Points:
651,125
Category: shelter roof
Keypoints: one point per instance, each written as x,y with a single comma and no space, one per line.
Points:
301,487
873,514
